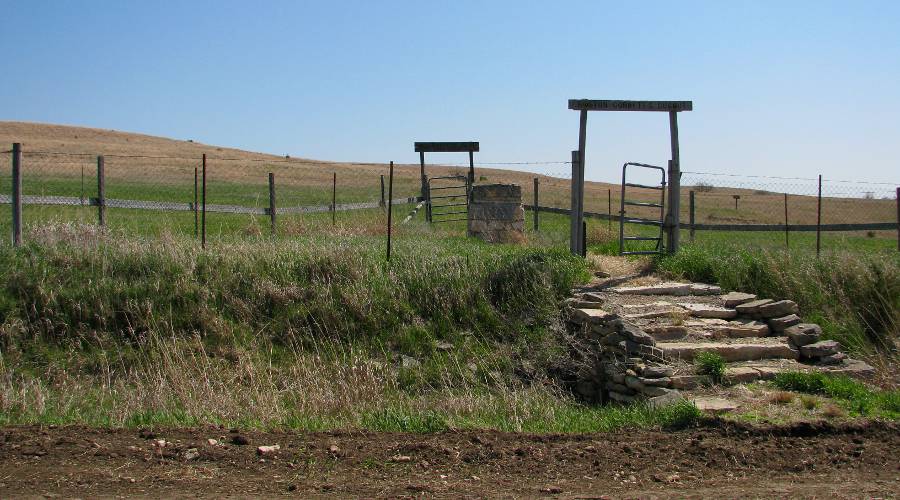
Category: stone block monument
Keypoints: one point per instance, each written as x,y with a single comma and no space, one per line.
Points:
496,214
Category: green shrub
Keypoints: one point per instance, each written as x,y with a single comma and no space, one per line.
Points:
711,364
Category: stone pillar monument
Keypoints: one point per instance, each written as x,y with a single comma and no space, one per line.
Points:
496,214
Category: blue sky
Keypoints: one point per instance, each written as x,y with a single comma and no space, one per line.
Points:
779,88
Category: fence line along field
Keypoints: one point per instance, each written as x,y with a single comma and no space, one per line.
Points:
157,172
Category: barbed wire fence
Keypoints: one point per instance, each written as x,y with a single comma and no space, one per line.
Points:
165,193
805,211
189,195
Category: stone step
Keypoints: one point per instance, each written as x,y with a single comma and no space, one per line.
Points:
718,328
713,405
731,349
669,288
591,315
708,311
733,299
667,332
686,377
690,331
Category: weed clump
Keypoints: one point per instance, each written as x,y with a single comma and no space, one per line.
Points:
711,364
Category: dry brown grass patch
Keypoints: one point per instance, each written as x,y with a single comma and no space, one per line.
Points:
616,265
834,411
781,397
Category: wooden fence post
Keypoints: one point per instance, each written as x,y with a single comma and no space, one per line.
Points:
101,190
692,213
674,179
389,209
196,209
203,213
584,238
333,198
819,219
536,204
17,194
272,200
471,176
422,172
787,237
576,216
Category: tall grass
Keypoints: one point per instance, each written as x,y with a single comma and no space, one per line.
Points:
854,296
68,287
181,384
314,333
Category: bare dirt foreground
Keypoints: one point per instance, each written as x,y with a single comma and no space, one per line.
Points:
715,459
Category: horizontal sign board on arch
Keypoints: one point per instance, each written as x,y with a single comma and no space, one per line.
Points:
605,105
445,147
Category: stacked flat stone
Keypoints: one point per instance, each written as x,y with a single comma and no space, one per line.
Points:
779,315
628,366
805,336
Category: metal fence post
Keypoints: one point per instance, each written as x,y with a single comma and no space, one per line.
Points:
535,204
17,194
609,207
196,209
819,219
427,197
101,190
272,201
898,219
381,204
691,210
333,198
389,209
203,214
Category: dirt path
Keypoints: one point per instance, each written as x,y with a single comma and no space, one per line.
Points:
715,460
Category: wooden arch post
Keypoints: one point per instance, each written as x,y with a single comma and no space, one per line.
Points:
446,147
576,238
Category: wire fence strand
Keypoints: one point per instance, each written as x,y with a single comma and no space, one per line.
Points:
61,185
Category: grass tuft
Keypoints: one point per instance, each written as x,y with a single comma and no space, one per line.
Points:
781,397
711,364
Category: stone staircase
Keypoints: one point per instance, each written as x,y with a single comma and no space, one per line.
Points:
645,337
